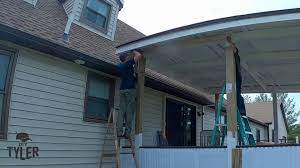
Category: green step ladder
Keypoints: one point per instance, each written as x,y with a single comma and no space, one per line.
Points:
220,130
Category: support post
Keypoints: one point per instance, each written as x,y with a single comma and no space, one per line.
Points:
275,117
140,95
139,105
237,160
231,105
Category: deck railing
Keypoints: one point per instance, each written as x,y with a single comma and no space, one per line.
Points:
279,156
283,156
179,157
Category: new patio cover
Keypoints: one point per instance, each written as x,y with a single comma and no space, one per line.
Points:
269,45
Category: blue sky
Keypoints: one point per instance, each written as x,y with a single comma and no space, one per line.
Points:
152,16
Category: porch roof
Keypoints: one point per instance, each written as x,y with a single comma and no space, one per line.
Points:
269,45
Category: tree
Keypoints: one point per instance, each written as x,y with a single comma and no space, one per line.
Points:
262,97
294,131
247,98
288,106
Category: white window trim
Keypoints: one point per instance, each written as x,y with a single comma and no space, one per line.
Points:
93,30
84,20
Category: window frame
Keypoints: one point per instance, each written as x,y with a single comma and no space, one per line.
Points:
273,135
13,54
87,97
258,138
84,20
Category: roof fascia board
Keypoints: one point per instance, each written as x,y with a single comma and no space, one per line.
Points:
258,122
214,26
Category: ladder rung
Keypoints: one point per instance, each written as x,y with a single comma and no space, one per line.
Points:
221,124
245,117
109,155
126,153
248,133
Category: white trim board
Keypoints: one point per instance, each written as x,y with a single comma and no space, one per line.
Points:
213,28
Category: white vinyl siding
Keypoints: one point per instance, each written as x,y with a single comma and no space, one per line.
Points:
208,118
32,2
282,130
69,6
152,116
47,102
199,110
263,131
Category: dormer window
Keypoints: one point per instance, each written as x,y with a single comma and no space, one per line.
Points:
96,14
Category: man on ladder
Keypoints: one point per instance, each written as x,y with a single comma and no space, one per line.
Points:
122,126
127,101
127,92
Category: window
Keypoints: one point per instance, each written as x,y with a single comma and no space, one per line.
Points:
257,135
97,13
99,97
6,64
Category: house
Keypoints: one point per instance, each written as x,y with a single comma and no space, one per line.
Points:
263,112
58,83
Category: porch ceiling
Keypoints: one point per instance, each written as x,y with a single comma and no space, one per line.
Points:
269,45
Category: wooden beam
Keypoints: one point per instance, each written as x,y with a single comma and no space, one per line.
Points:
231,108
231,91
275,117
140,96
292,88
237,156
292,55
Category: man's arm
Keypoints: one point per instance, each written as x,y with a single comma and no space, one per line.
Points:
137,56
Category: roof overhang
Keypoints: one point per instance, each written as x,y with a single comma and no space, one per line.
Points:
59,50
194,55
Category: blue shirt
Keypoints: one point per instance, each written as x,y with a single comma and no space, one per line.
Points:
126,71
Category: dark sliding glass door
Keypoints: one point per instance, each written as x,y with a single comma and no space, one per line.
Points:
180,123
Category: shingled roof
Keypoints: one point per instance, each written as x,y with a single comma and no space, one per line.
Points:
47,21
